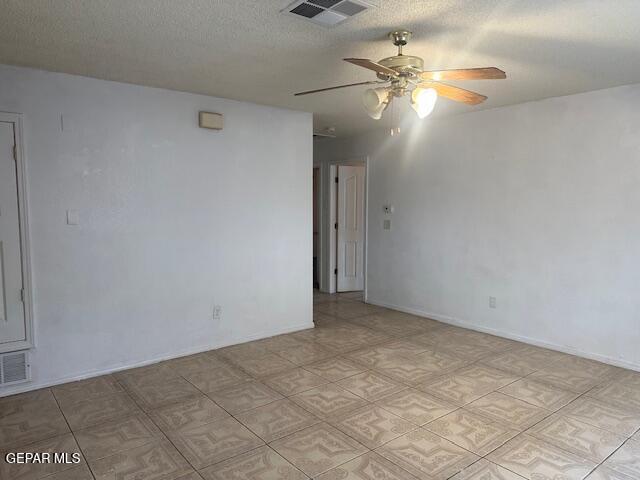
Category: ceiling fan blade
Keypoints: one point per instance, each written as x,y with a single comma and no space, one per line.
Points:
489,73
454,93
376,67
338,86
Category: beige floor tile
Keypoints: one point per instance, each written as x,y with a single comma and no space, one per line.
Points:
193,412
457,389
341,345
471,432
243,351
277,419
260,464
31,471
439,362
621,394
466,351
533,459
370,385
191,476
117,436
307,353
35,398
605,473
403,347
603,415
628,377
346,310
487,375
265,365
243,397
79,472
191,364
416,407
155,373
335,369
93,387
218,379
318,449
567,379
156,395
371,357
214,442
574,436
26,419
99,410
322,320
516,363
369,466
409,371
153,461
396,328
484,470
539,394
426,455
498,344
508,411
580,365
626,460
281,342
373,426
328,401
294,381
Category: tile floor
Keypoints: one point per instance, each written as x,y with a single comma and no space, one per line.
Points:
370,393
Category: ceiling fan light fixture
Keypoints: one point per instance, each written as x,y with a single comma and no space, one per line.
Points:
423,101
375,101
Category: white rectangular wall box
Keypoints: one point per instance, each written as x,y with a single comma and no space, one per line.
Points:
210,120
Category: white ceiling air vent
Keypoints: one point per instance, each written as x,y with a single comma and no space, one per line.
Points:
14,368
328,12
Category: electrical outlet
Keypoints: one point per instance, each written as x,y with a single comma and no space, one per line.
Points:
492,302
217,312
386,224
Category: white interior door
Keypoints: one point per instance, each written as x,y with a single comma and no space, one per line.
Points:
12,317
350,261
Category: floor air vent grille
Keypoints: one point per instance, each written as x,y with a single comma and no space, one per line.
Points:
328,12
14,368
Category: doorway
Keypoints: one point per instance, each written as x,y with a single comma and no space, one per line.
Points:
347,226
15,312
316,227
350,232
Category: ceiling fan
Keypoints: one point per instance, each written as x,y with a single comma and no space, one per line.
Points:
405,74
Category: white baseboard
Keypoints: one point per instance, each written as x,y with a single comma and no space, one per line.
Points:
499,333
27,387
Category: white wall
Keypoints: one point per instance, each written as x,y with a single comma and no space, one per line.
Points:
536,204
173,220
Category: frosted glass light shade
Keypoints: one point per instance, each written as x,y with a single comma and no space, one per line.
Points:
423,101
375,101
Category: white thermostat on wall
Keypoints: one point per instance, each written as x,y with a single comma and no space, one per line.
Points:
210,120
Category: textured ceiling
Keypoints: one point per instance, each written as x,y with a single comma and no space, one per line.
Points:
247,50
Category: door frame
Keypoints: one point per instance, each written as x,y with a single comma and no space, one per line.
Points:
328,234
21,171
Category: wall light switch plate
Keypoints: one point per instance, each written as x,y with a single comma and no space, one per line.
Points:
492,302
386,224
73,217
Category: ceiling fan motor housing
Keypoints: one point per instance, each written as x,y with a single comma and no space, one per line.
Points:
405,65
